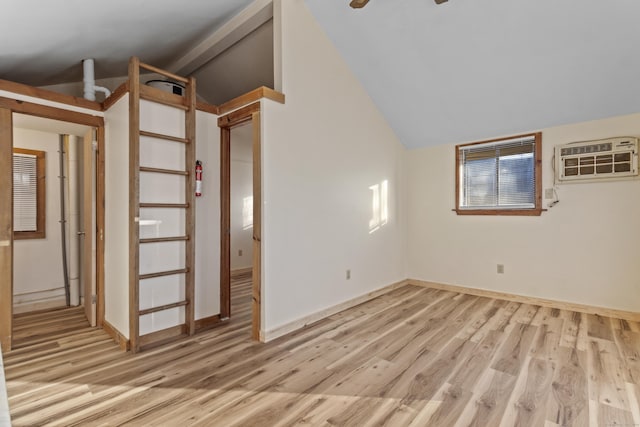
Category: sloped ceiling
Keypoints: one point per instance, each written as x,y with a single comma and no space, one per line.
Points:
475,69
44,41
461,71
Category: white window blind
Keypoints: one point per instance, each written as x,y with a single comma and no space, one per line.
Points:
25,200
498,175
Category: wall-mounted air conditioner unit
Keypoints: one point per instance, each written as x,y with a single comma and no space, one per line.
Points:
605,158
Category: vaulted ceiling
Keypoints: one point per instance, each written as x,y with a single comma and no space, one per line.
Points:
44,41
463,70
475,69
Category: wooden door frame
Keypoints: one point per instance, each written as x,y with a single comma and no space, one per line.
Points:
6,146
250,113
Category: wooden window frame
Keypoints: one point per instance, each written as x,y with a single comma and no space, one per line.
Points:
41,216
535,211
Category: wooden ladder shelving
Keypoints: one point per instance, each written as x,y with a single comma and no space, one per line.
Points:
187,104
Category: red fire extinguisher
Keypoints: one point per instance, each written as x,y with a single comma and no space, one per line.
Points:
198,178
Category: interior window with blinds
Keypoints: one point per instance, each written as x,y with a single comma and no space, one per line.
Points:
499,176
28,192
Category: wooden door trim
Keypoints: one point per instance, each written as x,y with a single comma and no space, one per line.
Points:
9,106
6,228
134,203
225,222
250,113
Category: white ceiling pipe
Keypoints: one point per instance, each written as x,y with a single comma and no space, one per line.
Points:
89,80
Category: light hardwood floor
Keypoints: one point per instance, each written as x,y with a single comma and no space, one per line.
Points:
414,356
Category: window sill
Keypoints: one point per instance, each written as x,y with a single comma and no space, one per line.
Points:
25,235
500,212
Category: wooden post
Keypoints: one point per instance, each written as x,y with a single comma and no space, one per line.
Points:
6,228
134,203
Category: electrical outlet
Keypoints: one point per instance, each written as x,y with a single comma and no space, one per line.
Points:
348,274
239,252
548,193
500,268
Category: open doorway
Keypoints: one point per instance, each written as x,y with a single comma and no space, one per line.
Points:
247,121
241,209
54,222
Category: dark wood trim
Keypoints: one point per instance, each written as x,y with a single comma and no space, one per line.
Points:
164,239
41,199
164,73
208,108
161,97
48,95
134,202
249,97
79,118
163,273
190,199
250,113
225,222
100,223
116,336
120,91
50,112
164,336
163,307
256,288
503,212
162,136
238,117
164,171
536,211
124,88
165,205
208,323
6,228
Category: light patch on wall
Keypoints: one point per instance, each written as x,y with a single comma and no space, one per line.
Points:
152,226
380,206
247,212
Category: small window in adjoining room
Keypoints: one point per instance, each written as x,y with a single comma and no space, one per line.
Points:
500,177
28,194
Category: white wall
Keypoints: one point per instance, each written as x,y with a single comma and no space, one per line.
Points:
584,250
162,188
207,286
241,197
322,150
116,241
38,275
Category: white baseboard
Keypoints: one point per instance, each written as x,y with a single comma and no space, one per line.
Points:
266,336
563,305
36,301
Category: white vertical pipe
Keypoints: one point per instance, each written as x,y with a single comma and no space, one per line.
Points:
89,81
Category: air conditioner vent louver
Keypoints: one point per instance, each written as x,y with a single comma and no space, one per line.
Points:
607,158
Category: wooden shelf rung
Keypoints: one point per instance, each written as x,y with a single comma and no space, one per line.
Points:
163,273
164,171
152,94
163,136
163,72
164,239
165,205
162,307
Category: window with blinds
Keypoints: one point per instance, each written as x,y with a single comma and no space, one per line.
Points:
499,177
28,193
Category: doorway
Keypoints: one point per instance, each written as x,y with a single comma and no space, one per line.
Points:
54,267
243,125
57,264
